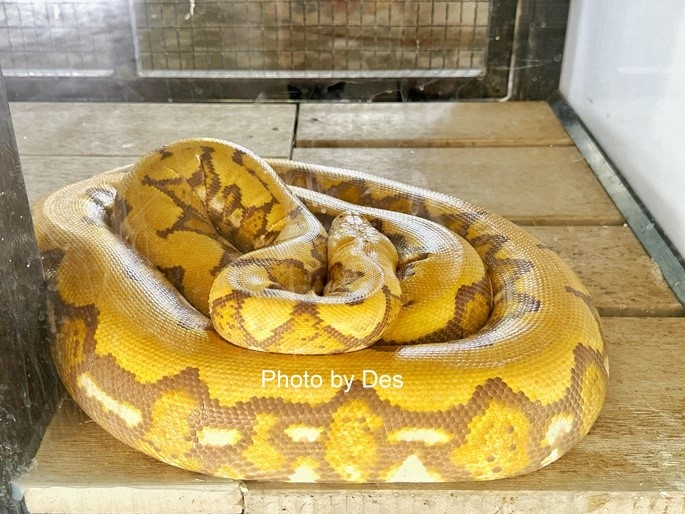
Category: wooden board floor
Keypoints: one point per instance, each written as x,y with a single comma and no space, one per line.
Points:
512,158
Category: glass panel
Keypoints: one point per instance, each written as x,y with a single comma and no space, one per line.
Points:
55,38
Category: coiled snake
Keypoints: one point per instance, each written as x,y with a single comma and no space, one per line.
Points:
480,355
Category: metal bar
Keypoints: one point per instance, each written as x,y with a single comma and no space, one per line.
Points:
313,74
539,48
28,385
652,237
149,89
499,47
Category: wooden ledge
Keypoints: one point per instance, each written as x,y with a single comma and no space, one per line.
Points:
429,124
530,185
81,469
621,278
132,129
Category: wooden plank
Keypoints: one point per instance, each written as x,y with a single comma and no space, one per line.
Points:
447,500
622,279
429,124
46,174
632,460
137,499
530,185
132,129
535,186
79,468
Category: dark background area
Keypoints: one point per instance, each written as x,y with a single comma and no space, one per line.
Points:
29,388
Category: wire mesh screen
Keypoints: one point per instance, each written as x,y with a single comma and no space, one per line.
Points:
186,49
55,38
366,38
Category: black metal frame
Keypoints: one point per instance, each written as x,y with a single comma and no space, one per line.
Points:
126,85
29,388
539,48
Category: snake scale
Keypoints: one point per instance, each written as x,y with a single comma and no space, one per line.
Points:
378,332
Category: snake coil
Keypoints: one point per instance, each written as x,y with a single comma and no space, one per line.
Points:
378,332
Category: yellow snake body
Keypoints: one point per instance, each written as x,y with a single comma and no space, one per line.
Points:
378,332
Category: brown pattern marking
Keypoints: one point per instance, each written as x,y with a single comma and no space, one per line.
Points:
118,214
231,199
319,251
291,275
588,303
406,203
409,255
583,296
249,341
459,222
454,329
197,178
230,255
525,303
209,174
359,191
190,220
68,320
504,272
164,153
253,219
303,309
237,157
175,275
117,382
101,199
299,279
343,277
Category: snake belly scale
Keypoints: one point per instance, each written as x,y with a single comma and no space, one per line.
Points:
470,350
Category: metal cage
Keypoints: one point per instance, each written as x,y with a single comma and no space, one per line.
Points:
204,49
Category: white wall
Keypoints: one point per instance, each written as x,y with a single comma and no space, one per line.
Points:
624,74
